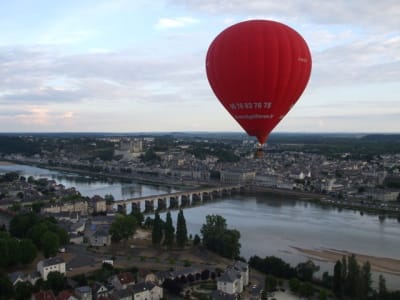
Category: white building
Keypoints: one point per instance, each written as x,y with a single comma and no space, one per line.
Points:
234,279
230,282
53,264
147,291
237,176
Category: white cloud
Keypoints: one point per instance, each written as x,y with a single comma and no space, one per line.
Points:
168,23
383,14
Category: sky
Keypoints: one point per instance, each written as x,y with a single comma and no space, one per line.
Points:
139,65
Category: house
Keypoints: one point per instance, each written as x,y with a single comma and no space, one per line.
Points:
122,280
16,277
243,268
33,277
230,282
66,295
99,290
53,264
43,295
125,294
83,293
100,236
147,291
220,295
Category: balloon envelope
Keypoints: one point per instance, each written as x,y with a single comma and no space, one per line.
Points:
258,69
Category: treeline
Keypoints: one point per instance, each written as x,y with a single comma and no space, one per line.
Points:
13,144
224,152
29,233
46,235
350,280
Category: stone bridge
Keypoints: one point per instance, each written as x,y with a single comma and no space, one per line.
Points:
176,200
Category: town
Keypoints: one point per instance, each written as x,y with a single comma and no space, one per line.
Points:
343,179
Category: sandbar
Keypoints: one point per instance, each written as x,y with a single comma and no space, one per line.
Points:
378,264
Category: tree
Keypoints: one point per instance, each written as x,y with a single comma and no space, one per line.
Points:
181,230
270,283
109,199
217,238
123,228
337,278
20,224
55,281
352,280
213,230
306,270
196,240
138,216
382,290
23,290
365,281
49,243
157,234
27,251
169,231
6,287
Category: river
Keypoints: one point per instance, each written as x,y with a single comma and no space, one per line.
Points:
269,225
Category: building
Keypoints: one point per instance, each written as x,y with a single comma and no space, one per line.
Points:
43,295
234,279
147,291
230,282
99,290
123,280
83,293
237,176
53,264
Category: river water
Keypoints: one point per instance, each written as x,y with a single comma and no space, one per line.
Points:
269,225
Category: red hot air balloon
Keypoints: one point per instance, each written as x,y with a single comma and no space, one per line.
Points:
258,69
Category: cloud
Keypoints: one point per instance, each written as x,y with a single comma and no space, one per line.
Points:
381,15
168,23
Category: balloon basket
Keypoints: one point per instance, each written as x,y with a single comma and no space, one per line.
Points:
259,153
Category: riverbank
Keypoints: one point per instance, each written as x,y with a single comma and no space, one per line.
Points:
6,163
378,264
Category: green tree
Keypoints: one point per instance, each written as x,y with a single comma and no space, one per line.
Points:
382,290
109,199
20,224
27,251
306,270
139,216
352,280
55,281
217,238
294,285
365,281
212,230
270,283
337,278
306,290
181,230
157,232
169,231
6,287
23,290
36,232
50,243
4,252
196,240
123,228
323,295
